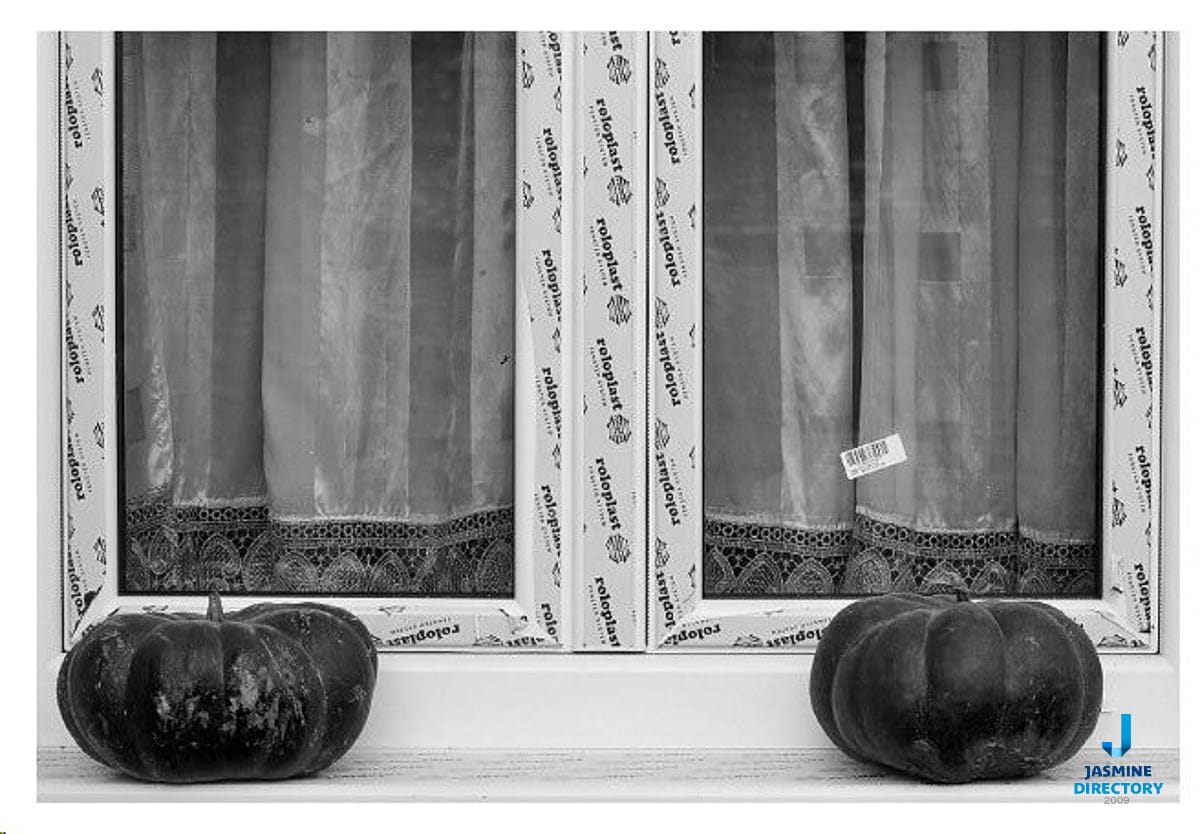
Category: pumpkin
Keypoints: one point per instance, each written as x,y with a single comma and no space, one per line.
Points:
951,690
267,692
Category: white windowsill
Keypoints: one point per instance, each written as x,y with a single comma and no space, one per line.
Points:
681,702
646,727
372,774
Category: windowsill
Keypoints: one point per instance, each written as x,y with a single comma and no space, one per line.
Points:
375,774
449,701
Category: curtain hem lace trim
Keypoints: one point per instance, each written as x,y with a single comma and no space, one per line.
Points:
241,549
770,560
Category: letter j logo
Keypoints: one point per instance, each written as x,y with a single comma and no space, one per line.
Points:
1126,733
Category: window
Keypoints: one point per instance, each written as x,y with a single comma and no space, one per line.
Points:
925,242
622,299
324,357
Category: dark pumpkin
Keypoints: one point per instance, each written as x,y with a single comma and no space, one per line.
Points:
951,690
267,692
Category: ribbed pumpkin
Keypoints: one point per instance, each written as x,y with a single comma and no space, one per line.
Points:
267,692
951,690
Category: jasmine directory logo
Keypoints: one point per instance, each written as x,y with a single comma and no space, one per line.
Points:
1117,782
1126,733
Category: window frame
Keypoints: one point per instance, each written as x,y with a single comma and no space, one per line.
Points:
1126,617
538,617
609,244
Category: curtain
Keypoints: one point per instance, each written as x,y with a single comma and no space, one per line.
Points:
778,348
902,236
318,242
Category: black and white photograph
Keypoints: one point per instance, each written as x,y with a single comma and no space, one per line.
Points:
726,414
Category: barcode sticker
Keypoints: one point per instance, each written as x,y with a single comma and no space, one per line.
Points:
873,456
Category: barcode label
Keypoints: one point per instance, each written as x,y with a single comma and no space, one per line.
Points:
873,456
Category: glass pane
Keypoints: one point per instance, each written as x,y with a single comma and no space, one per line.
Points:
318,288
902,237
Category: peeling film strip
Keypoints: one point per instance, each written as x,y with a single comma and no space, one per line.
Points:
609,237
675,160
540,75
416,627
82,106
1133,349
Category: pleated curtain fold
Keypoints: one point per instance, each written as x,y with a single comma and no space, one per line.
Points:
903,236
318,239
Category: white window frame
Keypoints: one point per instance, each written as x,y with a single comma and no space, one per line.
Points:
1126,617
500,697
608,227
538,617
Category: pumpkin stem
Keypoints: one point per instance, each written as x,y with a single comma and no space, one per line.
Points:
961,595
215,613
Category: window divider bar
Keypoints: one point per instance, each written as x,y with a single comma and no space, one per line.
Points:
609,242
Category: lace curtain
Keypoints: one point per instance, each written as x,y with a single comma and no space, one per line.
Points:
902,235
318,240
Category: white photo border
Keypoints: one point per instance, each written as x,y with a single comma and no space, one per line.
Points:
1125,619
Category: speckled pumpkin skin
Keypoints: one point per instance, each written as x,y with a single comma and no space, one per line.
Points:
954,691
267,692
